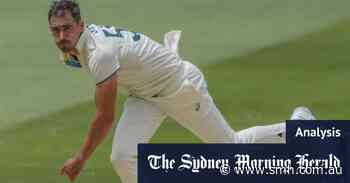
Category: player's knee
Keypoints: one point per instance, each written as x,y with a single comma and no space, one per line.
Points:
117,165
125,169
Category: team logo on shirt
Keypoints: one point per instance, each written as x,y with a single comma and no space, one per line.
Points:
71,60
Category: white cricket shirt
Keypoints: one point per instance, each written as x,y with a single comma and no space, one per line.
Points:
145,67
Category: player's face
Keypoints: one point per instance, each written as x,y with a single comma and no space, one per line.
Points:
66,31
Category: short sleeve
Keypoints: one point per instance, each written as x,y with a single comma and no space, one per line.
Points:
102,65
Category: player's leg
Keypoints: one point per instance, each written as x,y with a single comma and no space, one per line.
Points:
194,108
191,106
198,113
275,133
210,125
138,122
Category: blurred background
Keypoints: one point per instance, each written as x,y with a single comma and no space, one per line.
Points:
261,58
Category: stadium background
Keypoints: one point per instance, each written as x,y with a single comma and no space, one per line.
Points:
261,59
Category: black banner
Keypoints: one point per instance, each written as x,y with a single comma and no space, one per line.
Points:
315,152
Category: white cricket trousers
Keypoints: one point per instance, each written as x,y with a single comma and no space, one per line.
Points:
193,108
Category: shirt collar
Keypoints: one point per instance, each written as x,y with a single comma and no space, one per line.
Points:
82,40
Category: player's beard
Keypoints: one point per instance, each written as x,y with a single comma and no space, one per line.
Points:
64,46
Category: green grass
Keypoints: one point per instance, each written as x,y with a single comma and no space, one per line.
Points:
258,88
34,82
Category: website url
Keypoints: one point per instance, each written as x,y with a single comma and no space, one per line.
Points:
288,171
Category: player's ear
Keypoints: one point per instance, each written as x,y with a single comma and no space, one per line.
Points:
81,23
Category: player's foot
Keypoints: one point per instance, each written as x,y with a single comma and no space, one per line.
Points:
302,113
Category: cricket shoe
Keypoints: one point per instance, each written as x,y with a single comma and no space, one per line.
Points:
302,113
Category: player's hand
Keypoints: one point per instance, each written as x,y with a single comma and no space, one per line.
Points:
72,168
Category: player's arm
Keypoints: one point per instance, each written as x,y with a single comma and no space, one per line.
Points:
106,93
103,65
105,100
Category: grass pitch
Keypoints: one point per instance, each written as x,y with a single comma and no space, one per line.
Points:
34,83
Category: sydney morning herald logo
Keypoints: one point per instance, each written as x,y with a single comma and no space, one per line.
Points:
244,164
